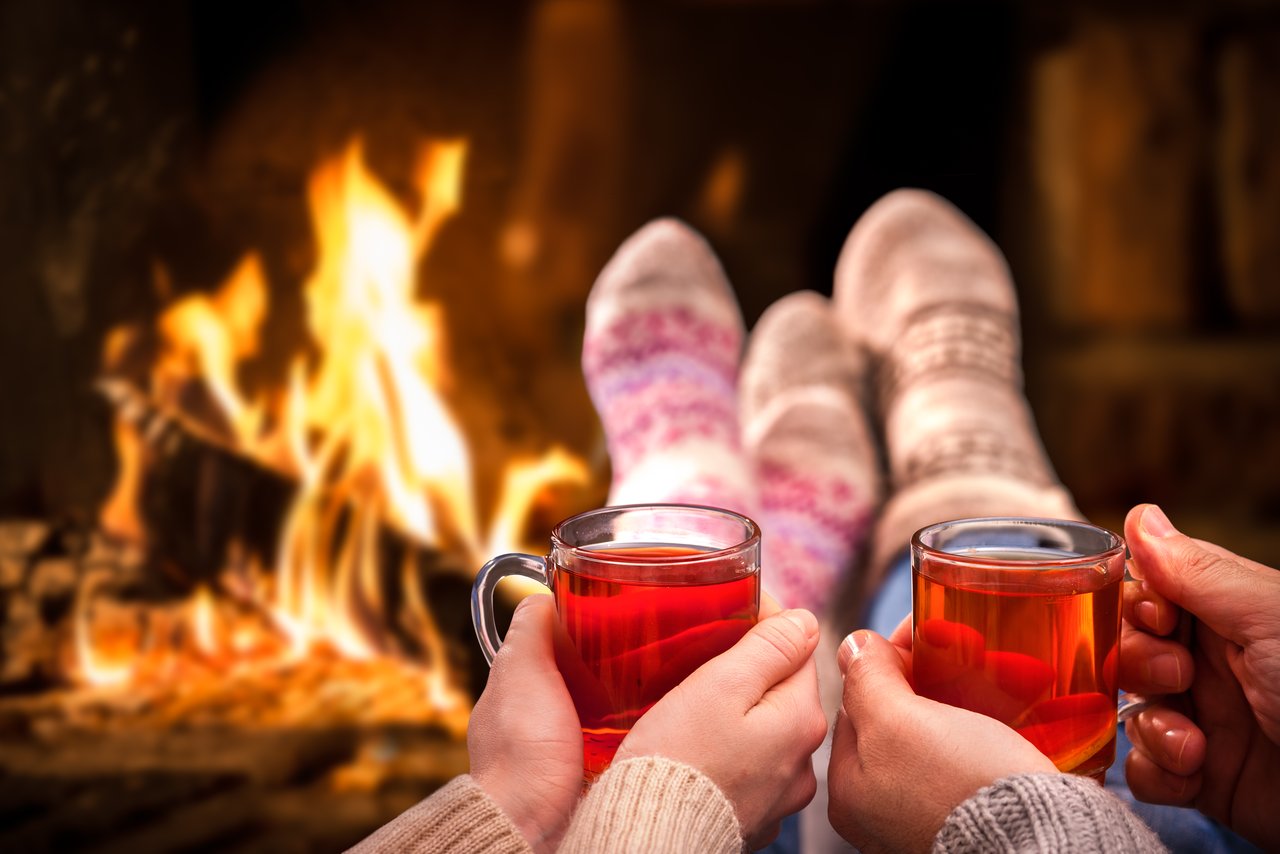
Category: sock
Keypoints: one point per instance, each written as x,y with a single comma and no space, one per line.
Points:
660,356
816,461
930,296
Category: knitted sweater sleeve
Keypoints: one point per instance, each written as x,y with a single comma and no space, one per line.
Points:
653,804
1045,812
459,817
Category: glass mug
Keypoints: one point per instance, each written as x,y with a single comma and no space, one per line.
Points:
1019,619
645,594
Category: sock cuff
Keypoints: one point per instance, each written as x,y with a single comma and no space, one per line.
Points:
960,496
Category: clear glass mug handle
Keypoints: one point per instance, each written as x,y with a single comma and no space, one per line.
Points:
502,566
1131,704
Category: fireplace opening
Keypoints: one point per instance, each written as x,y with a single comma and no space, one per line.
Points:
295,303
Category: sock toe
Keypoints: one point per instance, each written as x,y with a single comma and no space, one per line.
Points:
665,263
910,249
660,357
796,342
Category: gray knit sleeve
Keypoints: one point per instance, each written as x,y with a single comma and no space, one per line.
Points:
1045,812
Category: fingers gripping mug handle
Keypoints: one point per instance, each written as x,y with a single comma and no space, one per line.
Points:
502,566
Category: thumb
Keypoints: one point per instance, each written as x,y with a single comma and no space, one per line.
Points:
775,648
1216,586
874,677
528,640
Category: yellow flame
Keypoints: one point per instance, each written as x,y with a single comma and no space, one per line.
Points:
105,661
361,423
203,620
208,337
439,178
381,346
390,447
523,480
119,515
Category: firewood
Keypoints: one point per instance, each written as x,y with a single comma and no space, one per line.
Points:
206,507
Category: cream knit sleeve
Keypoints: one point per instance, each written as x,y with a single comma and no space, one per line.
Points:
653,804
458,818
1045,813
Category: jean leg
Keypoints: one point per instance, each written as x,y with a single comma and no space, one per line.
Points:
892,601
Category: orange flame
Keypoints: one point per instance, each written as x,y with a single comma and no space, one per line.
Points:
208,337
103,658
362,425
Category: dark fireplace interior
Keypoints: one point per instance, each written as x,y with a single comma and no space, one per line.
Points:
1126,159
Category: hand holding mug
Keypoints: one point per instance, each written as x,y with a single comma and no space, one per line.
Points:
901,763
1019,619
1012,650
1218,746
750,719
523,737
645,594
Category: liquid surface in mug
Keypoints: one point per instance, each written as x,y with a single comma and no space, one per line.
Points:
631,642
1039,655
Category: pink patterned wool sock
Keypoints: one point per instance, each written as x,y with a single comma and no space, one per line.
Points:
815,455
660,356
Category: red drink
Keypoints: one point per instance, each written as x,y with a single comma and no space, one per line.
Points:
633,640
1029,637
645,595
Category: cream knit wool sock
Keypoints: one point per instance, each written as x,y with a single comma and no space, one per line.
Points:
928,293
660,356
816,460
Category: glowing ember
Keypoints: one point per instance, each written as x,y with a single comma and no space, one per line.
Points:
362,428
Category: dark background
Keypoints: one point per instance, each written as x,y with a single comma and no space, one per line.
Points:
1125,156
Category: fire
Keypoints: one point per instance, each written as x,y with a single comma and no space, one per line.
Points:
361,426
208,337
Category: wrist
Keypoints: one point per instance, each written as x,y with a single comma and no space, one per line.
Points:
529,821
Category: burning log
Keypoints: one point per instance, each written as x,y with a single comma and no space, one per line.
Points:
197,497
211,515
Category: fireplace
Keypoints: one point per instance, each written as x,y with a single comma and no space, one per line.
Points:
294,308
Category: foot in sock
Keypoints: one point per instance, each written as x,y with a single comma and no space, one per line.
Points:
930,296
806,431
660,356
